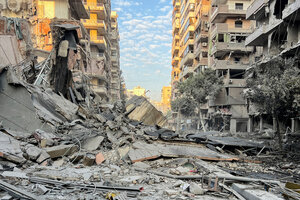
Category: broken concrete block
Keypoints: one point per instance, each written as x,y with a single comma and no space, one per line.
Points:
171,192
59,162
123,151
43,156
41,190
92,144
100,118
61,150
124,129
89,160
76,157
99,158
33,152
196,189
63,48
248,192
141,165
111,125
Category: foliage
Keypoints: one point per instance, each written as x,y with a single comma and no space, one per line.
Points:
184,105
274,87
194,91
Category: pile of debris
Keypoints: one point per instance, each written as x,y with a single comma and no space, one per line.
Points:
59,141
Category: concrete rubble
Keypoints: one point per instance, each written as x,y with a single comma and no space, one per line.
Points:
55,145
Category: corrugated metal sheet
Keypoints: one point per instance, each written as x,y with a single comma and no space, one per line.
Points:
9,51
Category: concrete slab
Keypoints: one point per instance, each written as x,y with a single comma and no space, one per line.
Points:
251,193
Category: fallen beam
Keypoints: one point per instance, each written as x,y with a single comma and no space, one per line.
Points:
16,192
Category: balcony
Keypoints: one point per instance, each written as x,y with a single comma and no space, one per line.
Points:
234,82
227,64
260,36
288,12
222,12
78,9
100,41
95,24
222,48
187,59
175,60
257,9
176,26
96,7
114,58
223,28
186,72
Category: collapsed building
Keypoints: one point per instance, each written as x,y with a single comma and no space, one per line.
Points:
277,33
84,61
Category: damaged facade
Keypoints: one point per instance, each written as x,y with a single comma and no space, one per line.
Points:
277,33
52,22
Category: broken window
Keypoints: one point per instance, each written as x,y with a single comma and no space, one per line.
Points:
239,6
240,39
236,74
221,38
239,24
279,7
237,59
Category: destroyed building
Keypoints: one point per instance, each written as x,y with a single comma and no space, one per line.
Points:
230,58
277,32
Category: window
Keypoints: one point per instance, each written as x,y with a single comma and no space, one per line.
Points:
239,24
239,6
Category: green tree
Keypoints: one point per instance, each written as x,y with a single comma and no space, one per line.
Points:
273,88
194,92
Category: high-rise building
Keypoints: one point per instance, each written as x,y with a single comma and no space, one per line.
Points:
175,45
230,58
103,30
115,58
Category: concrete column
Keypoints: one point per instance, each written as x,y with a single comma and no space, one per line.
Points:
250,124
233,126
261,123
293,125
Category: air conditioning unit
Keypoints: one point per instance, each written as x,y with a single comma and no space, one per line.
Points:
230,81
204,44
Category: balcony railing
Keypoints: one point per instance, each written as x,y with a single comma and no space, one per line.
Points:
255,7
224,10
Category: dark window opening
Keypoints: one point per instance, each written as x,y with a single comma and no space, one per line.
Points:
239,6
227,91
238,24
204,54
237,59
240,39
236,74
279,37
221,38
279,7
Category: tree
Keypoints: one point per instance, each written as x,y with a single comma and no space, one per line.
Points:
195,91
274,87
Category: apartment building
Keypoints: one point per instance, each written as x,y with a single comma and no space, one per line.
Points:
277,32
201,35
103,30
186,41
175,45
115,58
229,56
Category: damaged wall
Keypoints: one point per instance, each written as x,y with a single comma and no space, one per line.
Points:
17,110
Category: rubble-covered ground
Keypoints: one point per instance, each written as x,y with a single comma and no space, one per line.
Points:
106,155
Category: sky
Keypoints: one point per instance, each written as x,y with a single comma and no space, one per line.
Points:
145,43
